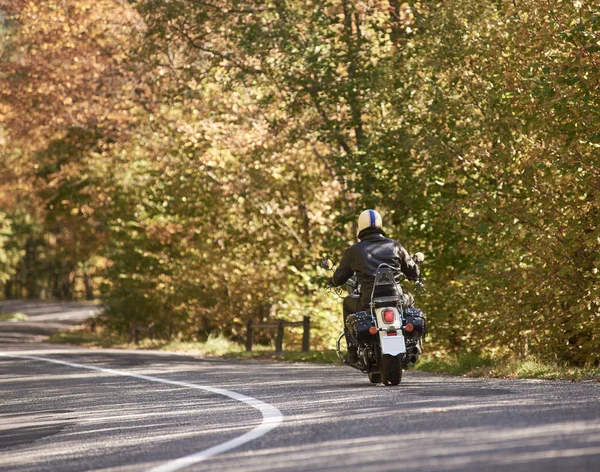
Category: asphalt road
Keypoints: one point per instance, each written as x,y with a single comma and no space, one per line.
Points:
65,417
44,318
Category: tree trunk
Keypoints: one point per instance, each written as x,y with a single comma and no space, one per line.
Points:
87,281
8,289
31,269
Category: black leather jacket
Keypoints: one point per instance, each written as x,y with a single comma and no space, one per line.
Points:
365,256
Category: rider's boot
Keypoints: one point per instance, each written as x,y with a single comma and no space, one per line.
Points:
352,353
352,356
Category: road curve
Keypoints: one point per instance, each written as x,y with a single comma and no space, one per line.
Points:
58,417
44,317
271,416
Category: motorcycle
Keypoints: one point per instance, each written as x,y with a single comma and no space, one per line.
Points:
389,336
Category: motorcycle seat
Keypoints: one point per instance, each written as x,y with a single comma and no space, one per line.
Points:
386,301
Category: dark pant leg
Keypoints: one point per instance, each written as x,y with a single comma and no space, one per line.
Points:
351,305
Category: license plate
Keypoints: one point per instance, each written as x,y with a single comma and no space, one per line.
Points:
393,345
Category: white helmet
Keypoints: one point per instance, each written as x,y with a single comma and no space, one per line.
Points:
369,218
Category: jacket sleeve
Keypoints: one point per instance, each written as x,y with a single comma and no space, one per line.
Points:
407,265
344,270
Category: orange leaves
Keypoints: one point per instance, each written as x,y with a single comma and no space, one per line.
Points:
63,66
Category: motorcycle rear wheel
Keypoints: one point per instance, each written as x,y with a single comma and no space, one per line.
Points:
374,377
391,369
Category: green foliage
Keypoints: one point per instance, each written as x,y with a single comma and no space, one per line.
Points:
526,175
9,254
222,148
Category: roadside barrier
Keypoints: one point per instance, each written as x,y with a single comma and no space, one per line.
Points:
279,325
134,334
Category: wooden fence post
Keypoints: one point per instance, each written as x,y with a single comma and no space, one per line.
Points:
279,338
279,325
306,334
249,336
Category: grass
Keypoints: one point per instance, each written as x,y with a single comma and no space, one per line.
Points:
462,365
13,317
470,365
216,345
473,365
86,338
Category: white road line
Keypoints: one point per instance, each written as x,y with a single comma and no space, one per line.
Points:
272,417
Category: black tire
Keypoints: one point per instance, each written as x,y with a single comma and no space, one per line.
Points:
374,377
391,369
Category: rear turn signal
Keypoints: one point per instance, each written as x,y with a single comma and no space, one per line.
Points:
372,330
409,328
388,316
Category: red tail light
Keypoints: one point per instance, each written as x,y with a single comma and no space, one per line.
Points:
392,333
388,316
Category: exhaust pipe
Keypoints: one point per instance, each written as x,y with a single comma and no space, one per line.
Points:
412,359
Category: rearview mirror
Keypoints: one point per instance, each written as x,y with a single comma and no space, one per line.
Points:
326,263
419,257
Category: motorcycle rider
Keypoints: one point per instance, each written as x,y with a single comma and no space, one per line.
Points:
363,258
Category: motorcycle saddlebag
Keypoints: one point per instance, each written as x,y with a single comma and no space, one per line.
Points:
358,325
417,318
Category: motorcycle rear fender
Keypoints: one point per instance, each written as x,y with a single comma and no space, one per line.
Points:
392,345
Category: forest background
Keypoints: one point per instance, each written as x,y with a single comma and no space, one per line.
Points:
191,161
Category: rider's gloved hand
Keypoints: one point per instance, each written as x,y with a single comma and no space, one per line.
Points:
323,281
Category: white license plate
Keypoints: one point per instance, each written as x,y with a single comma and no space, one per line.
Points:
393,345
